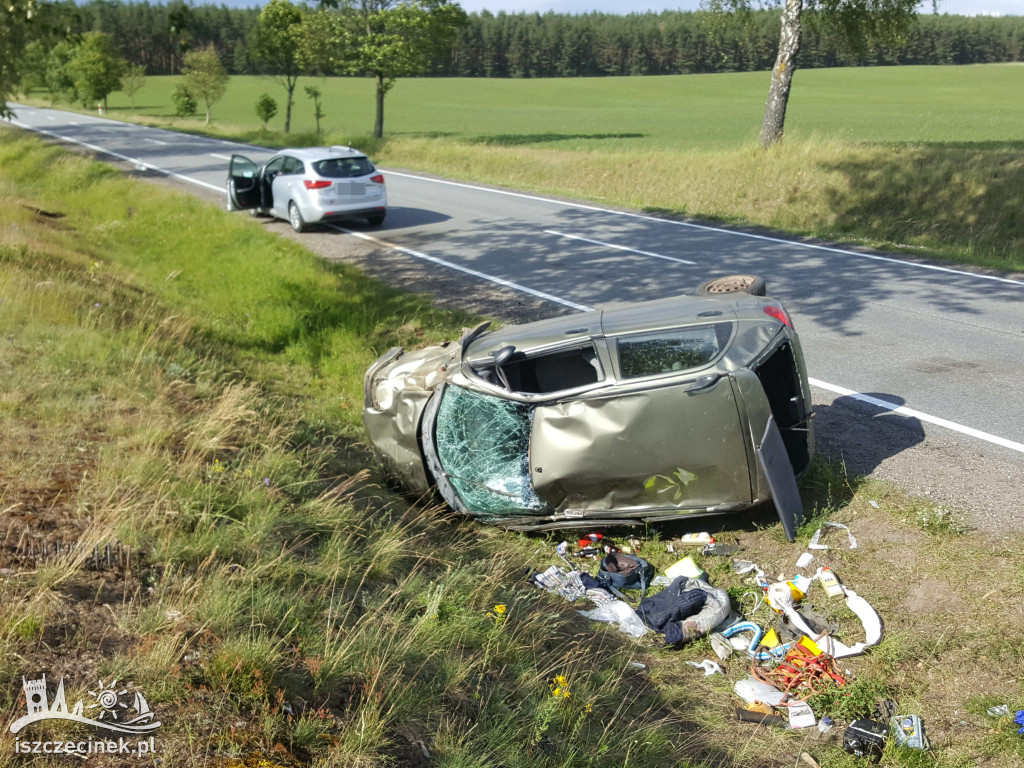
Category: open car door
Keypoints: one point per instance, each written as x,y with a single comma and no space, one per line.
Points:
243,184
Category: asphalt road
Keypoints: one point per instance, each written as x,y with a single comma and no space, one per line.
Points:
917,368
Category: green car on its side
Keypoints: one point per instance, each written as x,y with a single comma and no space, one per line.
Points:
651,411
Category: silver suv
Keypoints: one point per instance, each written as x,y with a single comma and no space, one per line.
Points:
309,186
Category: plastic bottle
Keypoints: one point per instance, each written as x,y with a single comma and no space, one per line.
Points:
830,583
825,724
697,538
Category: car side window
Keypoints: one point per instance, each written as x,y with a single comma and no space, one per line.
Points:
293,165
671,351
274,166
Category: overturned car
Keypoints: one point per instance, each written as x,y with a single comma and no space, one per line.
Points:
651,411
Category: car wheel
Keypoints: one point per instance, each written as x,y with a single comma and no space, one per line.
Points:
375,221
295,217
751,284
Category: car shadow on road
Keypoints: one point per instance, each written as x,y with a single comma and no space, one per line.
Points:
864,435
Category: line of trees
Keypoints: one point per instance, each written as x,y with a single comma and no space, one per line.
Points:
156,36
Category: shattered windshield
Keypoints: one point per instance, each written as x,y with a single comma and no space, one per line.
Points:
483,445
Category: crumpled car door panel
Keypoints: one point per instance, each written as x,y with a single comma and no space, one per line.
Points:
665,448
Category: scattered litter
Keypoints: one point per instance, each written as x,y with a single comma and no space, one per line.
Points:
685,567
697,538
830,582
801,716
751,689
720,645
742,628
710,667
618,612
809,760
755,714
908,731
865,738
661,581
825,724
804,560
743,566
867,615
637,665
670,548
623,571
816,538
568,585
720,550
1001,711
874,504
685,610
1019,720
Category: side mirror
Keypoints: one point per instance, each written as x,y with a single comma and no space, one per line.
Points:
501,356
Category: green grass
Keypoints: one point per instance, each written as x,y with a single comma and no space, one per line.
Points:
971,105
193,392
921,160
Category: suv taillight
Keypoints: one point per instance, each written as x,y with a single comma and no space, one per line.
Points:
316,184
378,179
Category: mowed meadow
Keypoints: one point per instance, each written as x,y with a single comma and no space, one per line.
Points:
922,160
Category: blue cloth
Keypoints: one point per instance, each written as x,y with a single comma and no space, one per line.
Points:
1019,720
665,611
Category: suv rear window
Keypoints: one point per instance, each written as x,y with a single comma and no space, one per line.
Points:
660,352
343,167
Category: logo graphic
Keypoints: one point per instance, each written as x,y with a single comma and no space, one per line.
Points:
113,714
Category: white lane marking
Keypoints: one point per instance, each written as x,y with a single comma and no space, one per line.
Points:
138,163
460,268
621,247
220,157
157,141
952,425
50,117
1014,446
706,228
73,122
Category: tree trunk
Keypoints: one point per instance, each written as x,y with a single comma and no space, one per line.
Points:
207,113
378,125
782,74
290,85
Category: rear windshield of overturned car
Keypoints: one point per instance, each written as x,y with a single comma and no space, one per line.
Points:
672,350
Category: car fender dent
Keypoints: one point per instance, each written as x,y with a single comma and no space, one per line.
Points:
600,453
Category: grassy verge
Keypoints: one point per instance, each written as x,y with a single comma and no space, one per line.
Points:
876,156
185,384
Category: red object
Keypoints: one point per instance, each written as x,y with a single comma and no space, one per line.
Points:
590,540
310,184
779,314
378,179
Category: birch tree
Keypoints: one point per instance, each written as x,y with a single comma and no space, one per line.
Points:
861,23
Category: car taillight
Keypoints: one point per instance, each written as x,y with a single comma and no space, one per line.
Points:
316,184
779,314
378,179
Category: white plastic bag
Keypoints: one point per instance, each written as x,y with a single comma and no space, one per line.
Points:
618,612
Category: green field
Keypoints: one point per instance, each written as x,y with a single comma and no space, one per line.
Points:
922,160
983,103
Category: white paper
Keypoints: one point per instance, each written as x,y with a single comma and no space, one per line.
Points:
801,716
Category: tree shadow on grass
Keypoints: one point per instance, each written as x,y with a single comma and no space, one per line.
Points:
523,139
967,195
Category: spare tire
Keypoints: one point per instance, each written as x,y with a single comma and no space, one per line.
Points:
751,284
